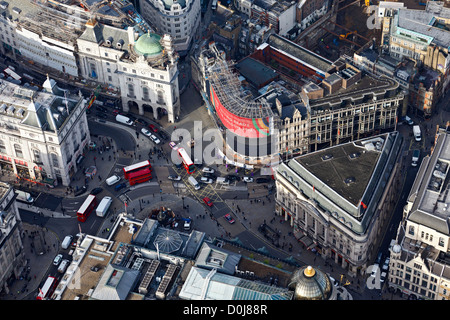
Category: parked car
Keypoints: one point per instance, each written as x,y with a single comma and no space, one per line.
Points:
96,191
233,177
207,170
386,264
208,201
155,139
102,109
153,128
101,115
248,179
262,180
173,145
57,259
210,176
146,132
229,218
80,191
206,180
131,117
120,186
174,178
141,121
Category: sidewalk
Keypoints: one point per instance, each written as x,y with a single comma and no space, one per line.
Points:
27,287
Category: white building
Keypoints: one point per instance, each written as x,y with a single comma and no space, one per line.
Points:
143,67
180,19
42,134
12,254
35,34
419,260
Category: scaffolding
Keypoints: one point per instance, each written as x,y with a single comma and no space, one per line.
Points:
231,95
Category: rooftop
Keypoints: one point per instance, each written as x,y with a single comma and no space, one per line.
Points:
299,53
256,72
430,192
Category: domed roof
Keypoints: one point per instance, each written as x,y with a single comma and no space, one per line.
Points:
148,44
311,284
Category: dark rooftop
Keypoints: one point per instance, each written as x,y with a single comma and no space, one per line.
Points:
256,72
299,52
347,169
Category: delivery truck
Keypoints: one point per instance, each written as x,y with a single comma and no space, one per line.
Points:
103,206
24,196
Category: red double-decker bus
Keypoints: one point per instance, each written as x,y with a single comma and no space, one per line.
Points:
187,161
136,167
47,289
139,176
86,208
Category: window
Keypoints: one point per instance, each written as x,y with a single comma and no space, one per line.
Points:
411,230
2,147
145,94
18,151
441,241
55,161
130,90
37,156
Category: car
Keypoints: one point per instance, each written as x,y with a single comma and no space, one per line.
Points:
206,180
141,121
101,115
229,218
120,186
101,109
383,277
96,191
96,268
248,179
210,176
116,112
155,139
131,117
153,128
208,201
375,269
232,177
386,264
408,121
173,145
262,180
207,170
146,132
174,178
80,191
57,259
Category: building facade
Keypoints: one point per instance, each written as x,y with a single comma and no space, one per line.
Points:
419,259
179,19
342,215
43,134
12,254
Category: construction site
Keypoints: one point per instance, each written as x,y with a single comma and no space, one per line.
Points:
342,31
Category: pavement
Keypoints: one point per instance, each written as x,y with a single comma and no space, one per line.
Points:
251,210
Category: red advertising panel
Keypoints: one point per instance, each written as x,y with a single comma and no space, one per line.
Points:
244,127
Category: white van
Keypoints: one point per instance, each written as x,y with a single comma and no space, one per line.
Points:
112,180
222,180
103,206
122,119
63,266
24,196
66,242
194,183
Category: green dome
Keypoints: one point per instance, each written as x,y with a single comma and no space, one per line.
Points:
148,44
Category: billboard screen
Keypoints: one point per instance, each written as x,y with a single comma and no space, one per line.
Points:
244,127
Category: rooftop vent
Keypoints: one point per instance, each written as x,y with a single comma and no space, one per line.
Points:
327,156
354,155
349,180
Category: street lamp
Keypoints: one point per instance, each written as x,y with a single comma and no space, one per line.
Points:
183,202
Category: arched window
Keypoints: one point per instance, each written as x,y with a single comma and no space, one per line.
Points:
37,156
145,94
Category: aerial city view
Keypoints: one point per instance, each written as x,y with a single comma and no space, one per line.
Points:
250,150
